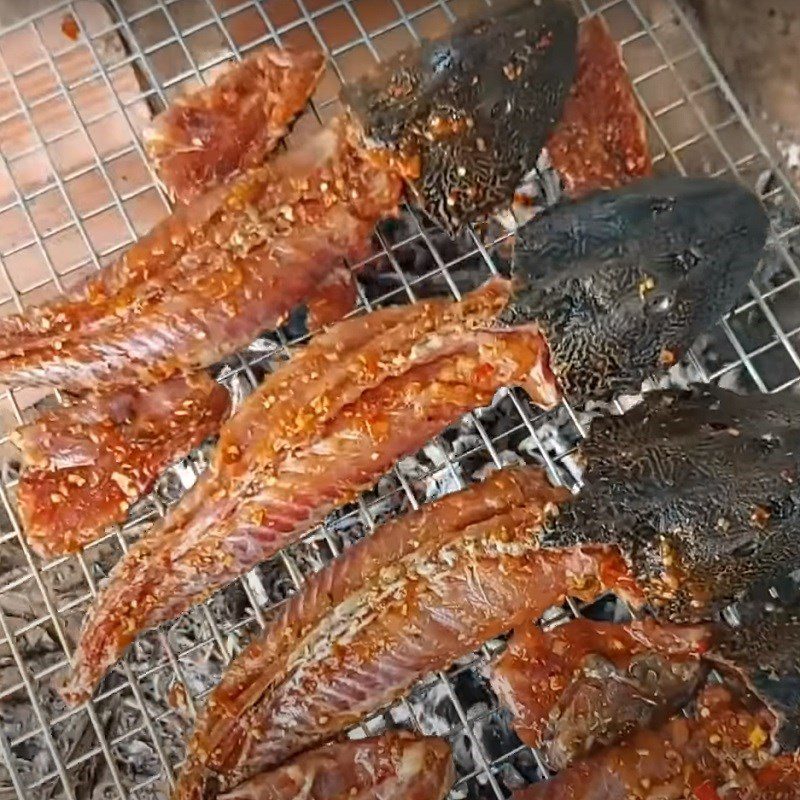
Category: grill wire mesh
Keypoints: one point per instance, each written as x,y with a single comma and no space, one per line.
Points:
78,82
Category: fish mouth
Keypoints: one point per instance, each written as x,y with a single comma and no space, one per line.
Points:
622,282
466,115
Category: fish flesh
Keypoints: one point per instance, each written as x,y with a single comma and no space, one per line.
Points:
333,299
586,684
600,141
206,136
369,391
707,757
419,593
394,766
210,277
84,465
311,437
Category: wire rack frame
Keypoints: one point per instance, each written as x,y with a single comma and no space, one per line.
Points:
676,80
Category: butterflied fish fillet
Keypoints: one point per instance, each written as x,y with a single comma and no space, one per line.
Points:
314,435
722,747
85,465
421,592
210,277
589,684
208,135
394,766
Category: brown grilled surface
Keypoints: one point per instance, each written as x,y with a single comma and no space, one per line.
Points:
335,297
419,593
722,744
394,766
585,685
210,277
313,435
85,465
601,139
205,137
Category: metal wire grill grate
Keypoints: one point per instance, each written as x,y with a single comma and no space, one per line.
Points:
77,85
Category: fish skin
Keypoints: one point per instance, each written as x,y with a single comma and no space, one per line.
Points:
623,282
314,434
468,113
419,593
697,487
393,766
85,465
586,685
205,137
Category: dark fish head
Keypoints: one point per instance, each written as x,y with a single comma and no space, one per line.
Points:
700,491
623,282
472,110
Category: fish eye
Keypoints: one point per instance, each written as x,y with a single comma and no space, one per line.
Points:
688,259
662,205
660,303
442,59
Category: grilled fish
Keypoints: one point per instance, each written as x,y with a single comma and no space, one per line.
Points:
430,588
650,266
720,753
312,436
421,592
205,137
371,390
394,766
237,259
217,272
704,507
84,465
210,277
586,684
248,91
467,115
